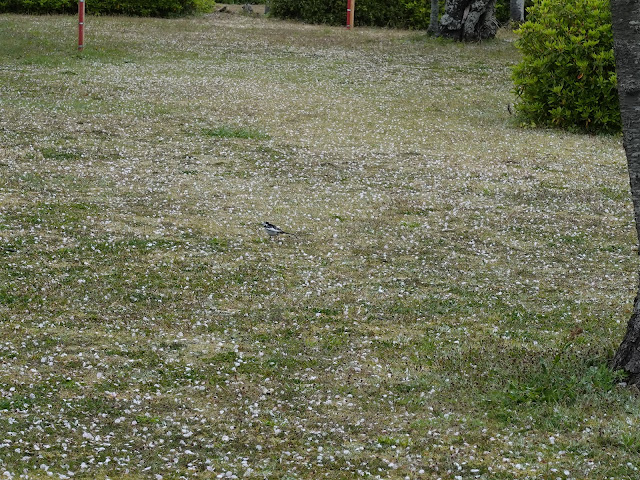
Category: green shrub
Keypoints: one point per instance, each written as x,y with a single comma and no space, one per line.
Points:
38,6
567,77
205,6
146,8
332,12
503,12
381,13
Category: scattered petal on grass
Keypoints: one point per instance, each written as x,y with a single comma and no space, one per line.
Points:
421,322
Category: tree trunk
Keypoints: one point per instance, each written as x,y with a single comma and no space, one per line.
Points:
626,38
517,10
433,20
469,20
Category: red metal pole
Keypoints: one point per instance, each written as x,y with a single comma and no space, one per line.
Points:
349,17
80,24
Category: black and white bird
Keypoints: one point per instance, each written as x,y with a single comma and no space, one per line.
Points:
274,231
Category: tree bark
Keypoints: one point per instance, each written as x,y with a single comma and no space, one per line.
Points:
433,20
626,38
517,10
469,20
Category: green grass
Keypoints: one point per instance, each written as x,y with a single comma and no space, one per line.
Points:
447,307
226,131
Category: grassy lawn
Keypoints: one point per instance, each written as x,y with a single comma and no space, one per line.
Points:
446,309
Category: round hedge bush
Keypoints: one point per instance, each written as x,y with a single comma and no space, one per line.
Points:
567,76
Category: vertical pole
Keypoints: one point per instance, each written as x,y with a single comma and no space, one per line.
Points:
80,24
353,13
350,5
